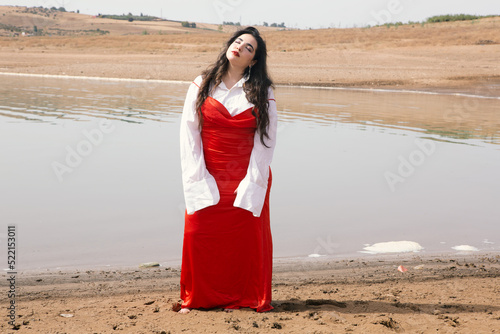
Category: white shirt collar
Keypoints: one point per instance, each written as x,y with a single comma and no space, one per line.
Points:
240,83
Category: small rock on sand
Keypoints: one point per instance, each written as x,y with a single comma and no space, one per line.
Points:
149,265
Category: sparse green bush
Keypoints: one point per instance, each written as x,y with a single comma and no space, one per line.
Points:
128,17
10,28
456,17
186,24
437,19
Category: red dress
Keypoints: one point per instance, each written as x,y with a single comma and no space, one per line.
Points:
227,252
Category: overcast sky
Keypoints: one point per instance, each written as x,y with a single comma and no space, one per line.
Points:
294,13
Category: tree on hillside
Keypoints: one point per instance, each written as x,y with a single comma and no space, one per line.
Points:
276,25
186,24
231,23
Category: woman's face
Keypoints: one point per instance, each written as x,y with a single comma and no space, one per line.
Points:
241,52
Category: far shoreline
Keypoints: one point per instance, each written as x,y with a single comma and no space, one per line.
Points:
288,264
465,91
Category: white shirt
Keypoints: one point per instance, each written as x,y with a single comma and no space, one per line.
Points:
200,188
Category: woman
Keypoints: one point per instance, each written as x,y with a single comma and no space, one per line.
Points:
228,135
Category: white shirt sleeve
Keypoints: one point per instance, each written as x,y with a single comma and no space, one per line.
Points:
251,191
200,188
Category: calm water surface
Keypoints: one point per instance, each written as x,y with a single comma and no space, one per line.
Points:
90,171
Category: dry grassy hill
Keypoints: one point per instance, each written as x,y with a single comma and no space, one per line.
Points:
15,20
449,54
165,35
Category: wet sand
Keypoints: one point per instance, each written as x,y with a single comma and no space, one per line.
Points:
445,294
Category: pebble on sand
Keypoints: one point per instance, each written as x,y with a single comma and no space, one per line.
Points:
149,265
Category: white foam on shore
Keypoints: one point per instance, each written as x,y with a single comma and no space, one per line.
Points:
465,248
393,247
315,255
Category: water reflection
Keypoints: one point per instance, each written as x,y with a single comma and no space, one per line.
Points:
122,203
54,100
447,116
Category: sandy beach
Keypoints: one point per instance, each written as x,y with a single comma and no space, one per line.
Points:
448,293
445,294
461,68
457,56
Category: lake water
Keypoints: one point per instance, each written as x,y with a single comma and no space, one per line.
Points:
90,171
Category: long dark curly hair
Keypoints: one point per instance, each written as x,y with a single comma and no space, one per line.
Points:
256,87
